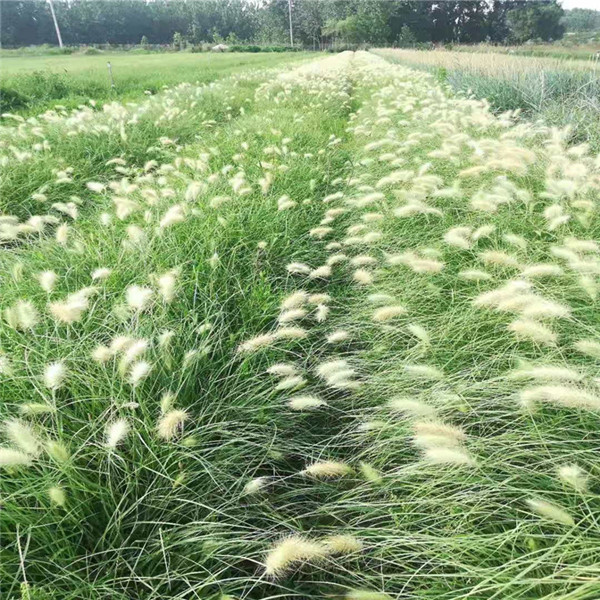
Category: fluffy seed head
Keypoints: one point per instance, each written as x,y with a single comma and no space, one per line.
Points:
338,336
54,375
14,458
171,423
47,280
295,300
139,371
282,370
292,550
386,313
305,403
291,383
550,511
116,432
530,330
23,437
256,485
410,406
256,343
448,456
138,297
57,495
342,544
589,347
574,476
327,470
563,395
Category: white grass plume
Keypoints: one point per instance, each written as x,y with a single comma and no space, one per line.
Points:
574,476
433,434
424,371
139,371
362,277
342,544
420,333
282,370
256,485
57,495
562,395
294,314
328,469
47,280
23,437
448,456
588,347
171,423
291,550
116,432
306,402
9,457
546,373
138,297
293,382
290,333
410,406
338,336
295,300
550,511
386,313
256,343
370,473
530,330
54,375
541,270
474,275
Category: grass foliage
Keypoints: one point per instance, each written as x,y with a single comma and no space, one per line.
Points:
327,331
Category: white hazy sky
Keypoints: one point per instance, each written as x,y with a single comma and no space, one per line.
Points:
595,4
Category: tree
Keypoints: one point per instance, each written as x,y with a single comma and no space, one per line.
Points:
581,19
535,20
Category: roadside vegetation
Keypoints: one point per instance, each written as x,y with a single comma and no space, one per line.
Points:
325,330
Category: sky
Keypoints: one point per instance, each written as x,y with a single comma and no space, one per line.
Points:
595,4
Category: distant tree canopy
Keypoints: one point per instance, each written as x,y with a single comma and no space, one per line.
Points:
582,19
384,22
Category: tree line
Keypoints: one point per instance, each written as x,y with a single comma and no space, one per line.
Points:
315,22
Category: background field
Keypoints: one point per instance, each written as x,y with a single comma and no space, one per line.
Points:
32,84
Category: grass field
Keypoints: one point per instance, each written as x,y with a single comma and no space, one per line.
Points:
561,91
32,84
323,330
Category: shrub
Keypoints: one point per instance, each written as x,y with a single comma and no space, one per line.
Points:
11,100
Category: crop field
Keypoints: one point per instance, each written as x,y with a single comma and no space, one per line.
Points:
321,329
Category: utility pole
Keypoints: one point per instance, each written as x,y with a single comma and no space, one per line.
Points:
55,23
291,29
